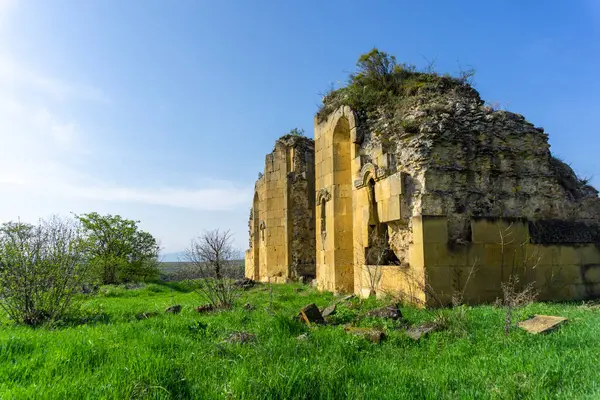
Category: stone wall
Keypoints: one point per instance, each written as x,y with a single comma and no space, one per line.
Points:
281,224
430,185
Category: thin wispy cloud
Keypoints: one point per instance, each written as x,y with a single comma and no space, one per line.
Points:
43,151
5,7
16,75
40,146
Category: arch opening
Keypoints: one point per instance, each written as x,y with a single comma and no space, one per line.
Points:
256,236
342,207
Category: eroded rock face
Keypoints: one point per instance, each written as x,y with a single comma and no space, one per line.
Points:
462,159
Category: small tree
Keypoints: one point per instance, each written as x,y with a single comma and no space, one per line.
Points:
212,257
42,267
297,132
120,251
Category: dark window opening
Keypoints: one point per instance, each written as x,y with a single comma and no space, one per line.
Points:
378,251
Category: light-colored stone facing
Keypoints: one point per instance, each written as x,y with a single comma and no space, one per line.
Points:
281,223
448,217
470,199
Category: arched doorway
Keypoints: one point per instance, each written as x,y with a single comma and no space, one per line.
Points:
256,236
342,206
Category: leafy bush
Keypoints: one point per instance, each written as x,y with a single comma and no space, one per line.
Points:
120,251
42,268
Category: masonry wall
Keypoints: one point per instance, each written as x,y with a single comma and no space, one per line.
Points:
500,248
281,224
346,164
432,189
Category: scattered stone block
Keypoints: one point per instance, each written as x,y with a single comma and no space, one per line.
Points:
302,337
541,323
176,309
241,338
327,311
205,308
371,334
422,330
311,315
245,283
392,312
146,315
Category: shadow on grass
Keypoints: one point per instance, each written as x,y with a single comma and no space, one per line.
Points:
82,318
181,286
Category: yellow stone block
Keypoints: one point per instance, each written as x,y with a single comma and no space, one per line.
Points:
415,255
439,280
499,231
396,184
591,273
394,209
589,254
480,279
440,255
435,229
417,228
495,255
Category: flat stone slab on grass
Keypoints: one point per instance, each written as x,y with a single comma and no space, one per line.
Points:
176,309
146,315
419,331
392,312
241,337
205,308
327,311
371,334
542,323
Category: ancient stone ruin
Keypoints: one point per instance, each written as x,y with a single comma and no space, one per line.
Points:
282,221
421,191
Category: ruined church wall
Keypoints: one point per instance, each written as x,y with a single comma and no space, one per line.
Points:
343,208
284,215
435,187
301,197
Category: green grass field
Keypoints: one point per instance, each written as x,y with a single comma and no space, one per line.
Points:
109,353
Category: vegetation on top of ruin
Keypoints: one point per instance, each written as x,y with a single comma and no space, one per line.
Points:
293,137
382,85
394,100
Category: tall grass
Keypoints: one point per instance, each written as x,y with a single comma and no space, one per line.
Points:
108,353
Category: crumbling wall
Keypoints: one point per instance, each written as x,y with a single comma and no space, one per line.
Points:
301,208
452,157
482,162
281,226
429,160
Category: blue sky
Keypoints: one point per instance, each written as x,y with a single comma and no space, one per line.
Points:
163,111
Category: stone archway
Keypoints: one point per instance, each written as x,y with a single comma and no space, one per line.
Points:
343,256
256,236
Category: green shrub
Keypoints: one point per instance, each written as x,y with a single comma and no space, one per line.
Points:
42,268
120,251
